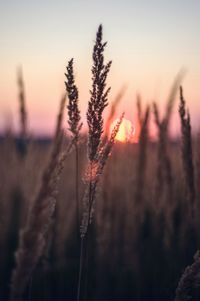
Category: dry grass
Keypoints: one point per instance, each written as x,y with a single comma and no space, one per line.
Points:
187,153
135,240
33,236
74,127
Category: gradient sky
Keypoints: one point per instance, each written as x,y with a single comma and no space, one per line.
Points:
148,42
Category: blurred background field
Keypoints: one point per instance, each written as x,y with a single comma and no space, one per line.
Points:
137,251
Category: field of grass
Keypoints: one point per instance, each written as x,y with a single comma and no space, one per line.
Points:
82,218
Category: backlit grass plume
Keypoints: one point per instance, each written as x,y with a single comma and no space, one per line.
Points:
99,96
73,110
74,126
96,106
97,153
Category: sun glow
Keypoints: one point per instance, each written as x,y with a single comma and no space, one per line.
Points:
126,131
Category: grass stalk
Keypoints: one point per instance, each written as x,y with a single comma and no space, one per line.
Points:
74,127
187,152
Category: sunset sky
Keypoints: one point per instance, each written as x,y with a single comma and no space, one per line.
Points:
148,42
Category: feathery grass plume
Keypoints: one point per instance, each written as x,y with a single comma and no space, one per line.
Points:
73,110
187,154
189,280
33,236
60,117
22,143
74,127
113,109
99,96
142,159
96,105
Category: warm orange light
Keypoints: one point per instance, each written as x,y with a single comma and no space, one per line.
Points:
126,131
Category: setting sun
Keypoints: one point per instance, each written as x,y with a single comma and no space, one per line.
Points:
126,131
